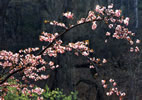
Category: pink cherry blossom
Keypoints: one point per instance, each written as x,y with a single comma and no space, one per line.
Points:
110,26
108,94
105,86
94,25
110,6
38,90
111,80
137,49
117,13
103,82
51,63
131,49
91,66
108,33
58,24
104,61
97,8
138,41
126,21
114,84
69,15
85,53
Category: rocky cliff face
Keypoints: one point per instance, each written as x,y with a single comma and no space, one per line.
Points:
22,21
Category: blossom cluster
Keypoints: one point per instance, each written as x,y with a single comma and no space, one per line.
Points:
38,90
8,58
97,61
79,47
111,17
48,37
29,50
115,21
113,88
55,49
58,24
25,59
69,15
59,48
33,75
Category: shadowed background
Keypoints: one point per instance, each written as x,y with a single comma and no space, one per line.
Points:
22,21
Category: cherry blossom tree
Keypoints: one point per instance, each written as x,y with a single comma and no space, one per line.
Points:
31,61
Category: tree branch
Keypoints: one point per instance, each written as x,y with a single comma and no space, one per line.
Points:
8,76
42,51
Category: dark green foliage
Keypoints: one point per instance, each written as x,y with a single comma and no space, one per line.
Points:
58,94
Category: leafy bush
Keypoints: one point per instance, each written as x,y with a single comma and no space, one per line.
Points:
14,93
58,94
